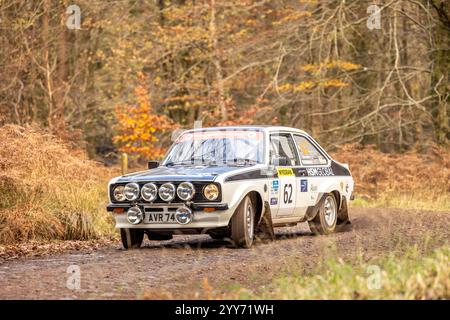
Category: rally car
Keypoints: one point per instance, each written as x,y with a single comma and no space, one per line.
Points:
234,183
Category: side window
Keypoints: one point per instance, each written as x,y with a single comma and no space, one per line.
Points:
282,146
309,155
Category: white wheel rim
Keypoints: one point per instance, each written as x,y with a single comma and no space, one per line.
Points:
329,211
249,220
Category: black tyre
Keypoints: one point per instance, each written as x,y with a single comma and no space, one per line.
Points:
131,238
325,220
243,224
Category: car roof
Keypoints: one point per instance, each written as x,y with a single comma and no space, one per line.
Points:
265,128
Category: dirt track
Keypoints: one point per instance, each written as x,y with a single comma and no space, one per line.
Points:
177,268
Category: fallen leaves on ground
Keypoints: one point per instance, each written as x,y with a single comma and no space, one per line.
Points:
36,248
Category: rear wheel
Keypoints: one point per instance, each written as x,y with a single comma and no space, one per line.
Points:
243,224
325,220
131,238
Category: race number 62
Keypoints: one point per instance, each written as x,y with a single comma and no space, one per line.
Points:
287,193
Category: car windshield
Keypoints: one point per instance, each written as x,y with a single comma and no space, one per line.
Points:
231,147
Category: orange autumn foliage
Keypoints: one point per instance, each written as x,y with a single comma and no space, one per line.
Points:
419,172
139,128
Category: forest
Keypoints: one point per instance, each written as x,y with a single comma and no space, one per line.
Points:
113,76
85,84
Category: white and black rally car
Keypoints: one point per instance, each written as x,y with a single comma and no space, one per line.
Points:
234,183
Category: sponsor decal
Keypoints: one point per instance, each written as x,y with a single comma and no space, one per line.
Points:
320,171
273,201
313,187
303,185
346,188
274,186
342,185
285,172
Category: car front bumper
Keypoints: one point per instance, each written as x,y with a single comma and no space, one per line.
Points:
202,219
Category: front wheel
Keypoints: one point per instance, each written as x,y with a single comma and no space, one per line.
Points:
243,224
131,238
325,220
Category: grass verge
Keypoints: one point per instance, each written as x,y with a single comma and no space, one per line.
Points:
49,191
411,276
433,201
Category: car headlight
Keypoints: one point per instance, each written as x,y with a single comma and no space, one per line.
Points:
183,215
149,192
118,194
211,192
135,215
185,191
131,191
167,191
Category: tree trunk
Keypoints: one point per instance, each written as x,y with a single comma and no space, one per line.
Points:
216,61
58,119
46,60
441,66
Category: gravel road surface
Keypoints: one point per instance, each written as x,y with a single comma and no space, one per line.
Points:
188,266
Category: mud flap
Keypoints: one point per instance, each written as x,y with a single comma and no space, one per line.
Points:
264,229
342,218
343,213
312,211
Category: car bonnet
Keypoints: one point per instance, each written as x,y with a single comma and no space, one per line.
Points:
179,173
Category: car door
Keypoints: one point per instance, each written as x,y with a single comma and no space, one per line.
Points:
283,187
311,160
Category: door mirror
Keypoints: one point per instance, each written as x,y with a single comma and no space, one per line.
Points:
153,164
280,161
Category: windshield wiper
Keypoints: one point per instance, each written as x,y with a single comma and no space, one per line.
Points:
192,162
212,162
174,163
242,161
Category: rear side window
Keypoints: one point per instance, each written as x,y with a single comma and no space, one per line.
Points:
309,154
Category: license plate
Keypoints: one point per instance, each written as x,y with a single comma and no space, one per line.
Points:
162,217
